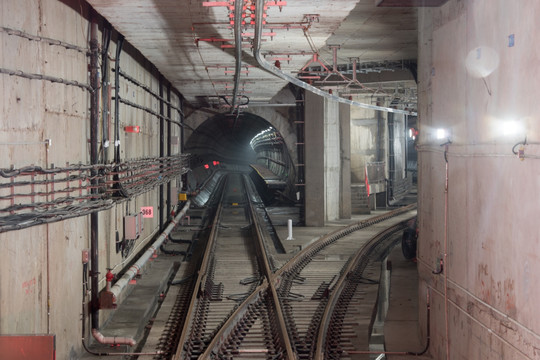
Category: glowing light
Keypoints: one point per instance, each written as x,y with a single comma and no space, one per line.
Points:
441,134
413,133
511,128
206,166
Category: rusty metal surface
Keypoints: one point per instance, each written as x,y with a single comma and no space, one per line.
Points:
28,347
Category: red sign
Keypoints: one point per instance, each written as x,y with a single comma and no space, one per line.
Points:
147,211
26,347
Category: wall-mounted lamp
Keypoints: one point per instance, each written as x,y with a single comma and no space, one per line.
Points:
511,128
442,134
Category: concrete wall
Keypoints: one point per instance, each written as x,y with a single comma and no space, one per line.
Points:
369,140
41,265
478,66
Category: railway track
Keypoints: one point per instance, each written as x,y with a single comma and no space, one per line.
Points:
233,266
308,280
242,307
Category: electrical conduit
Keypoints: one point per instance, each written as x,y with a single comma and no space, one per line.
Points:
134,269
120,285
274,70
238,4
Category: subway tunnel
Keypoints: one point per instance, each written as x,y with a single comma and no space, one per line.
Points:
134,132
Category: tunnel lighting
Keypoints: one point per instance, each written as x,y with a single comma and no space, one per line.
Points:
511,128
206,166
413,133
442,134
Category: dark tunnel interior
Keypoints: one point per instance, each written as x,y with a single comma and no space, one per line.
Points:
236,142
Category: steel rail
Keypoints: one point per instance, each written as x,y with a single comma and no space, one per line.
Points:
286,276
201,279
359,259
269,286
223,335
331,237
266,288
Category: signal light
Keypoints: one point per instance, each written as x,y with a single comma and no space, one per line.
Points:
132,129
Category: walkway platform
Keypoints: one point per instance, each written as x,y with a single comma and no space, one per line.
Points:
272,181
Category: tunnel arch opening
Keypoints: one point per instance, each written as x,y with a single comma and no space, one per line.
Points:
243,142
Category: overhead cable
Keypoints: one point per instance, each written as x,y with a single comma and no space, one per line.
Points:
277,72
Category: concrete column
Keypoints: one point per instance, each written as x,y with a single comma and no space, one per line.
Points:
345,154
314,159
332,160
323,160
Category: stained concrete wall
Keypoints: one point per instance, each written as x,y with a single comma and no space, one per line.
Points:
478,66
41,265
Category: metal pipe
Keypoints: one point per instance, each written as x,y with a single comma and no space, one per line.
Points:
161,151
446,267
94,119
238,4
274,70
354,70
334,58
105,92
169,139
119,44
134,269
113,340
251,105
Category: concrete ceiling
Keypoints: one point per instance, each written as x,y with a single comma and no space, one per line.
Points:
191,42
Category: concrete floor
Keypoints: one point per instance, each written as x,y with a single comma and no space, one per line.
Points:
136,314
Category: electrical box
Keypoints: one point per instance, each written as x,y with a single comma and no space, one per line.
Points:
182,197
133,226
174,195
85,256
